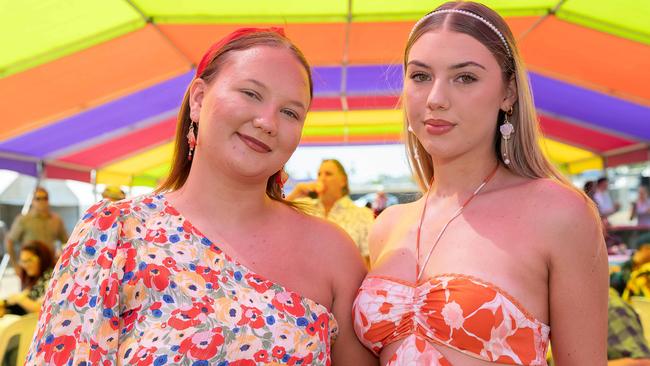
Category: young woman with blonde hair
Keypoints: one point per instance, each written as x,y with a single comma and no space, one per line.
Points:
501,254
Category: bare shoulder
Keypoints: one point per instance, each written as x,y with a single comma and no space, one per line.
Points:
393,214
333,253
562,206
564,215
327,242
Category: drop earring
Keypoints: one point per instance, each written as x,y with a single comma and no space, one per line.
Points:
506,129
191,140
280,178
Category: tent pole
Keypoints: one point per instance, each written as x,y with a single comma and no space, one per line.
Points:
30,197
93,181
344,74
40,172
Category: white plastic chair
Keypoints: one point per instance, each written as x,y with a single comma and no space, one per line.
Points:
21,326
8,330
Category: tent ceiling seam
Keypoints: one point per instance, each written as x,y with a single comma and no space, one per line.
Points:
344,70
162,34
627,149
540,20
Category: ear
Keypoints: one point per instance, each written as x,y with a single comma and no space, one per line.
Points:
510,96
197,92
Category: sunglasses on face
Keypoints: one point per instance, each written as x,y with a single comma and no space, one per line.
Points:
40,198
28,260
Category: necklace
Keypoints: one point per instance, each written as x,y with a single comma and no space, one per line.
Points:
419,270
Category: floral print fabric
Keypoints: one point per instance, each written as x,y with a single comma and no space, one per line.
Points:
139,285
457,311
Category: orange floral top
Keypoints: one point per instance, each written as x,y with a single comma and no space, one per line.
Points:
456,311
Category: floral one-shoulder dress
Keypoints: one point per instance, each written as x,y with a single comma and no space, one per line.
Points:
139,285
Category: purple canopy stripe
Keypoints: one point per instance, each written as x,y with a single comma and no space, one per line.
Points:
327,81
19,165
591,108
114,118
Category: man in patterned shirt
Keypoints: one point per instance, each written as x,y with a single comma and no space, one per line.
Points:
328,197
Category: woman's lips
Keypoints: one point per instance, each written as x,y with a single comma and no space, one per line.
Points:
254,143
438,126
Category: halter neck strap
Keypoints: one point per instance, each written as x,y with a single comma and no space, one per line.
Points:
419,270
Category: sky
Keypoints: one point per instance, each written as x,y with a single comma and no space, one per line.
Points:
363,163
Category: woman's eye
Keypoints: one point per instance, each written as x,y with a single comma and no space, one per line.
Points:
252,94
291,114
466,79
420,76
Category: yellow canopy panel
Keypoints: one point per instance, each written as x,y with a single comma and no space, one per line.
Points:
124,171
570,159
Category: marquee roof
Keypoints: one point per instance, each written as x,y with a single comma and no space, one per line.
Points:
91,87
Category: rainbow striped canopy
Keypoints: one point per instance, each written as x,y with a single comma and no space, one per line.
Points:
90,88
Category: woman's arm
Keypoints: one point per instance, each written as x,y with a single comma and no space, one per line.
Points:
348,271
578,283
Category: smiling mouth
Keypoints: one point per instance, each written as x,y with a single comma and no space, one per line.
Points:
254,143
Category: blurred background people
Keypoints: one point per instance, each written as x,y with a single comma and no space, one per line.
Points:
328,197
34,271
641,208
39,224
589,188
380,203
603,199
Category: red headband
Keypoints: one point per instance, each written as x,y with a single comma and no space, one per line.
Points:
237,33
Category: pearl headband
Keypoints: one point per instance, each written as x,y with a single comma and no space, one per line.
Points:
468,13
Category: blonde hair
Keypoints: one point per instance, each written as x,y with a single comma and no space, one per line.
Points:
525,154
